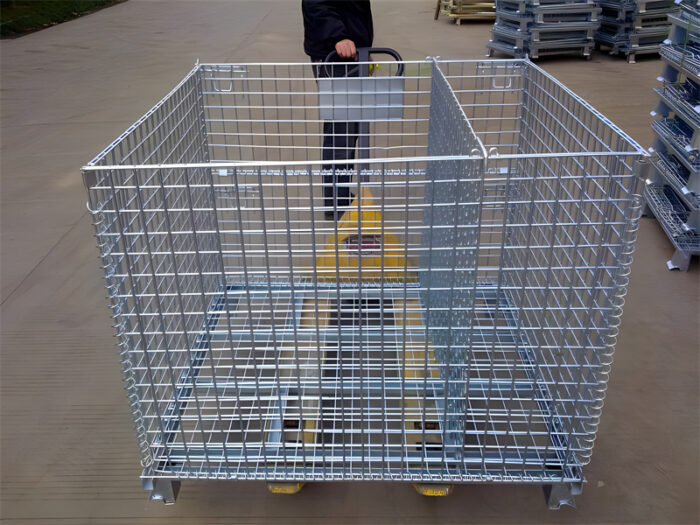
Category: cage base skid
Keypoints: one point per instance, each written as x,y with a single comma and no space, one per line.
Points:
536,50
555,495
630,53
472,17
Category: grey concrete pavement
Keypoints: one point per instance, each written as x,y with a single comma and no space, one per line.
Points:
68,450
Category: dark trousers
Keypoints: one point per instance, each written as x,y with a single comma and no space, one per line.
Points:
339,142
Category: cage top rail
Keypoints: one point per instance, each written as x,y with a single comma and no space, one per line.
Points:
482,152
389,160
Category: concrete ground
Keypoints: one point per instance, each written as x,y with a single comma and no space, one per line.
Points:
68,450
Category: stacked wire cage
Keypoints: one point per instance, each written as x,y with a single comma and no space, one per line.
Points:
673,193
535,28
634,27
456,325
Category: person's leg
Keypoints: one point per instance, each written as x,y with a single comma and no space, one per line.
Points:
339,141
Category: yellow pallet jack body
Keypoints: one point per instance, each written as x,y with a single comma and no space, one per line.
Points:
361,251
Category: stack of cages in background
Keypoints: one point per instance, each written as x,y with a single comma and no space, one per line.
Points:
456,324
535,28
634,27
673,192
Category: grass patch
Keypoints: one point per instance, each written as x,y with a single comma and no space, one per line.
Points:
18,17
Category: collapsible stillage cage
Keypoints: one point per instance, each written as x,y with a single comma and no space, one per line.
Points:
455,323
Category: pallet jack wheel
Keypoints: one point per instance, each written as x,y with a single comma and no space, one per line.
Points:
285,488
433,489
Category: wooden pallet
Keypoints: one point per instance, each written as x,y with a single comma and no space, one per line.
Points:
459,10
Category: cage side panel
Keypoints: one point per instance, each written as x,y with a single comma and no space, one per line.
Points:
565,231
169,133
449,246
108,235
163,252
558,121
562,253
158,227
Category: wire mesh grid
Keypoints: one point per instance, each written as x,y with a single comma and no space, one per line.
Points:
456,323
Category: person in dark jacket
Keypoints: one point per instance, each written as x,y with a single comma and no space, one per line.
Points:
341,26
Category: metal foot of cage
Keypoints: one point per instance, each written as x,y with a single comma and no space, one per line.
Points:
680,260
561,494
456,324
161,489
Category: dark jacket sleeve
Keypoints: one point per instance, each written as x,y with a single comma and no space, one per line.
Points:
323,23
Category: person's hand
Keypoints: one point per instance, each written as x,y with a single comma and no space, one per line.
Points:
346,49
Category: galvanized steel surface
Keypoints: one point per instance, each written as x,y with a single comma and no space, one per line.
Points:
484,358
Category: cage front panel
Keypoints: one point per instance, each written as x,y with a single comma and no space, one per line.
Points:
456,323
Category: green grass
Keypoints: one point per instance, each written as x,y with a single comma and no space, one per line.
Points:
18,17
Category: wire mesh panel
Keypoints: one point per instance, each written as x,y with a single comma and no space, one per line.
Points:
453,319
555,240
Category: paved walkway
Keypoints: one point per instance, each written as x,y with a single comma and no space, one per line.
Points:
68,449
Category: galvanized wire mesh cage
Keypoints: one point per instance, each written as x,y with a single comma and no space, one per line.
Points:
456,324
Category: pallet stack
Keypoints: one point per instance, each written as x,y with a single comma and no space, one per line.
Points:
459,10
673,192
536,28
634,27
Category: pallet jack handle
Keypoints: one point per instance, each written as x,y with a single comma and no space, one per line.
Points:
362,70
